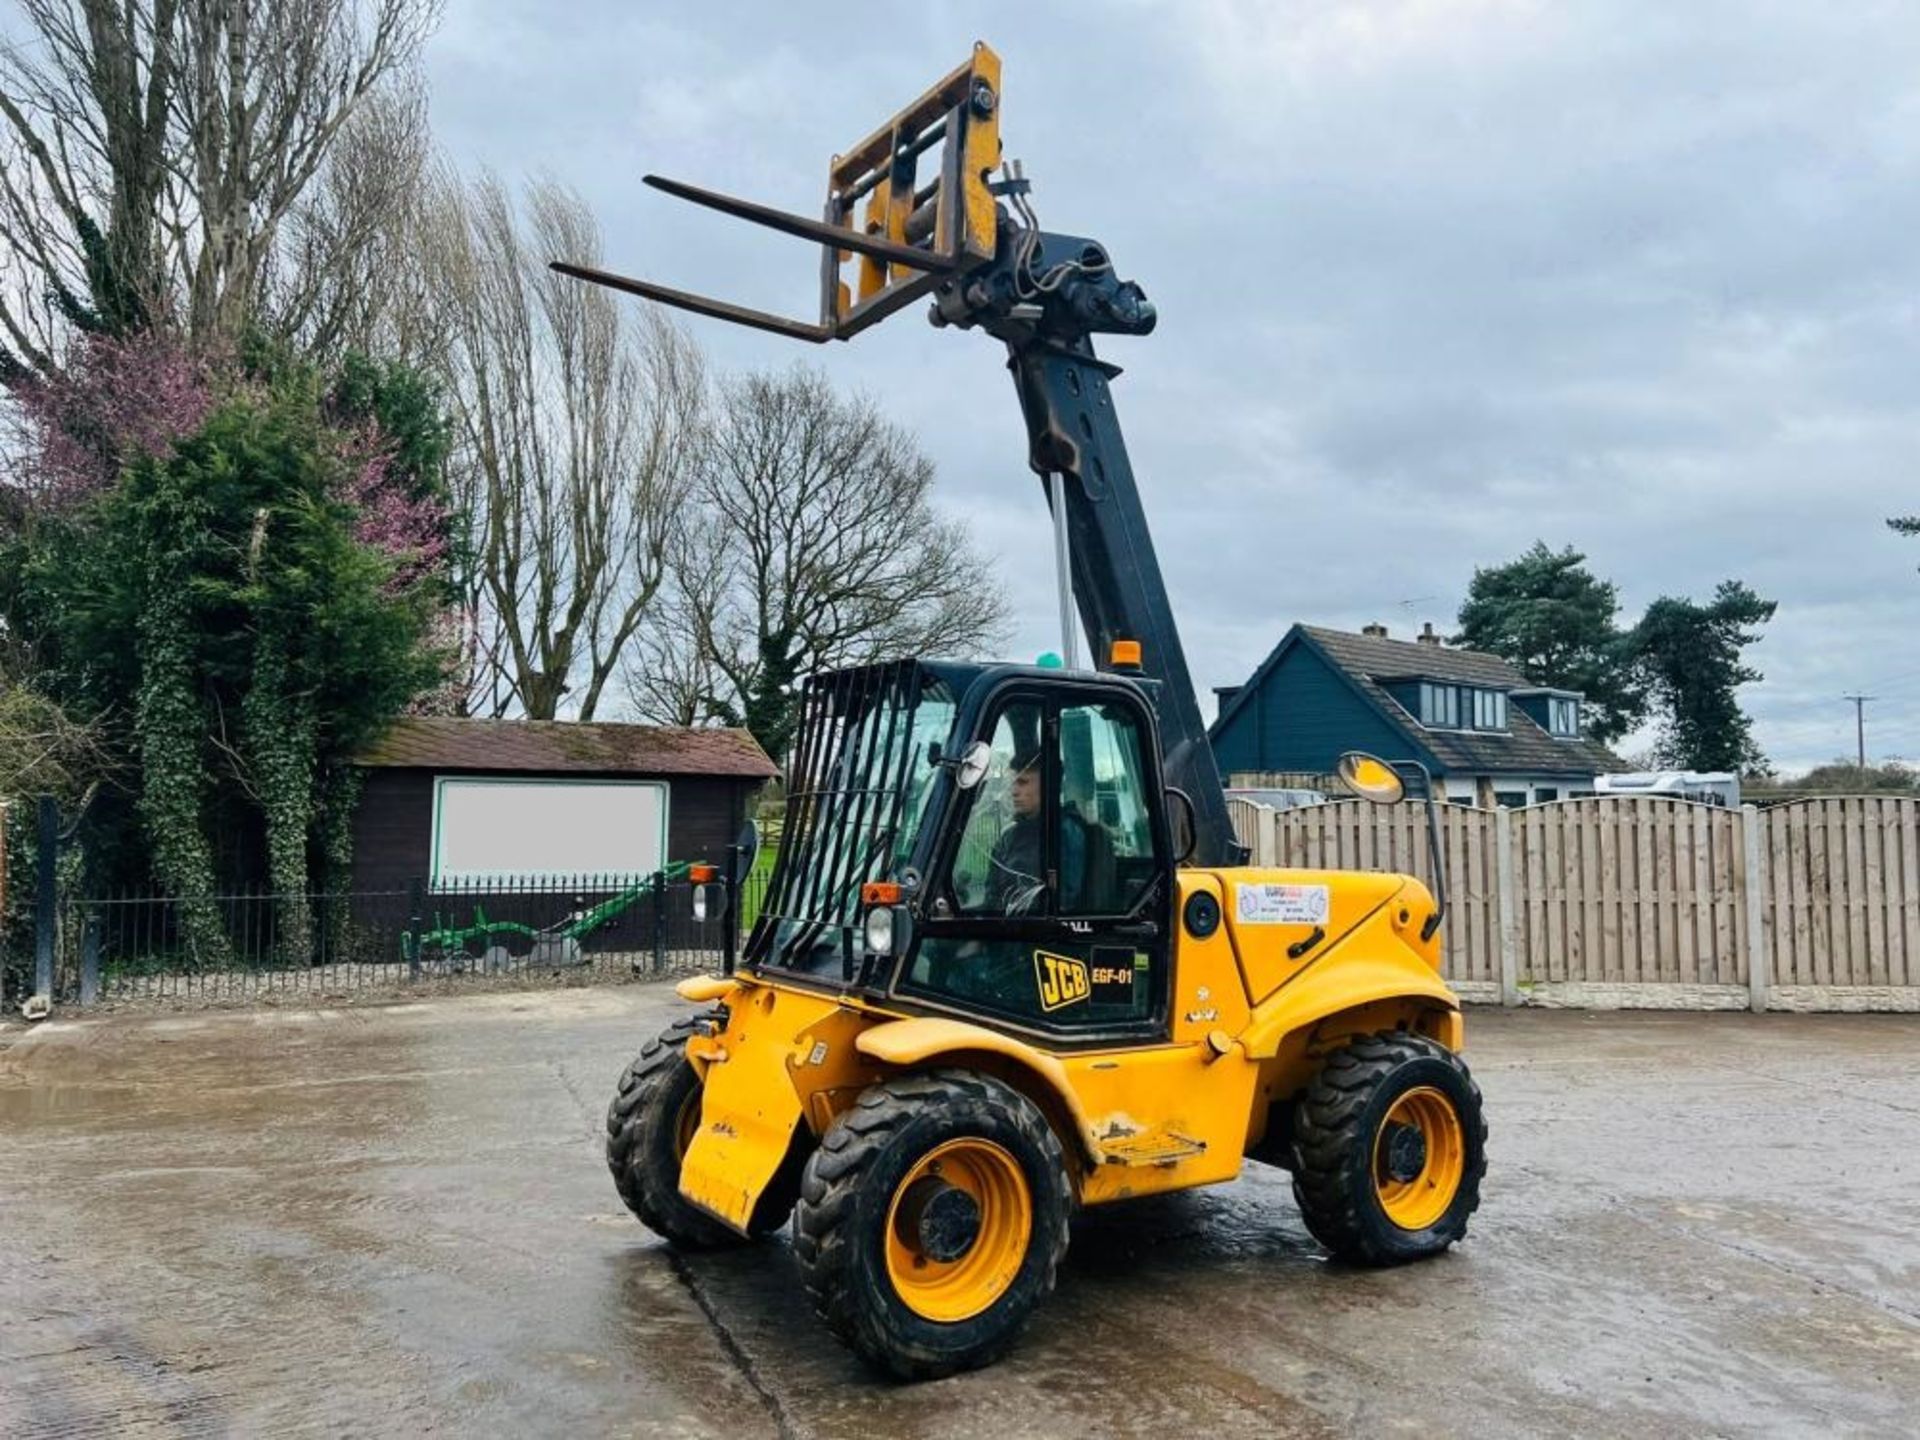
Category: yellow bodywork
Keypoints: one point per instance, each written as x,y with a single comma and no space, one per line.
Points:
1255,1008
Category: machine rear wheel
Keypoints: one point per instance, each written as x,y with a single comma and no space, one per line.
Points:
654,1117
1390,1149
931,1221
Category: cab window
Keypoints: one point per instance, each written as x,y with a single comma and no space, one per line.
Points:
1000,865
1103,821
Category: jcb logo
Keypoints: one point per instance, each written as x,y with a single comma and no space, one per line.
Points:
1063,979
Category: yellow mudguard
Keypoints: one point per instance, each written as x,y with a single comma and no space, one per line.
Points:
778,1047
748,1111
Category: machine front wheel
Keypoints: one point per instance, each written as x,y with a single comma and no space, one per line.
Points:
653,1118
931,1221
1389,1150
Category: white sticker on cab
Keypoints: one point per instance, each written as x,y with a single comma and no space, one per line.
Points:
1281,904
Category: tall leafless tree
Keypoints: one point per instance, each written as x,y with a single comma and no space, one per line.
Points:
821,547
155,152
671,673
270,85
344,274
579,421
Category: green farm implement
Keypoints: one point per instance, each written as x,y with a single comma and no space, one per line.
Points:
498,944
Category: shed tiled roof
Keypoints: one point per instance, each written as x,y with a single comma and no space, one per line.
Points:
1523,747
550,746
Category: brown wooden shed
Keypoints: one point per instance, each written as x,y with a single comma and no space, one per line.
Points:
446,800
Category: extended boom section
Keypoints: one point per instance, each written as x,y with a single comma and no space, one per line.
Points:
914,209
1046,296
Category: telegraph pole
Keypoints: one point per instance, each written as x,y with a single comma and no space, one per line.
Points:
1860,723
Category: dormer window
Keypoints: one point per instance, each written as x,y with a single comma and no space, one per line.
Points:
1555,711
1439,706
1461,707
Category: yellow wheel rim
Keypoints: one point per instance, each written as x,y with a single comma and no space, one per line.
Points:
1419,1157
957,1230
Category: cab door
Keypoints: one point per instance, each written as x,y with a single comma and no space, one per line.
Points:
1049,904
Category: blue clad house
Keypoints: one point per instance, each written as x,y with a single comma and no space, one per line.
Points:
1487,736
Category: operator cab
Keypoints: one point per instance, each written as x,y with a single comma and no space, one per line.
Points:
986,840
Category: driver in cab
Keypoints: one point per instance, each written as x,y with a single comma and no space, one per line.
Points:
1018,881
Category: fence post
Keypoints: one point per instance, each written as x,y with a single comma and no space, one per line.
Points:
659,922
90,958
416,924
1503,887
45,917
1757,977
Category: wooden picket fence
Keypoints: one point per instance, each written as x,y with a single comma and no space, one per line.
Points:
1648,901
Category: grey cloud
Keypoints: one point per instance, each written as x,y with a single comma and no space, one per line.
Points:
1449,276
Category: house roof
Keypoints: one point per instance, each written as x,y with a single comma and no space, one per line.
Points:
1410,660
551,746
1365,661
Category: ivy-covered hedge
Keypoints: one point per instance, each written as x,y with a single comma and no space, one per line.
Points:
237,615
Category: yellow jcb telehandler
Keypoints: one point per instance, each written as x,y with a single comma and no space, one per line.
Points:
1011,962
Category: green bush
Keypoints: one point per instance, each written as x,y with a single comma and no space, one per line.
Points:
223,618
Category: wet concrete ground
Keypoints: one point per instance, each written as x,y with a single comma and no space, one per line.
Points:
396,1221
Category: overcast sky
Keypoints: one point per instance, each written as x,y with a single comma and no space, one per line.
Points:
1436,278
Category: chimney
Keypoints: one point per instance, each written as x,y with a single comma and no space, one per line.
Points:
1426,636
1376,630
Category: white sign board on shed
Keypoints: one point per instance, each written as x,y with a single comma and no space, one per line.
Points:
492,829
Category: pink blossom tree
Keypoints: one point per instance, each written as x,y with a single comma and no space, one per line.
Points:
412,528
116,401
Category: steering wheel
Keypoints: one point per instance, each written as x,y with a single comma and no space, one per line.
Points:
1026,899
1023,895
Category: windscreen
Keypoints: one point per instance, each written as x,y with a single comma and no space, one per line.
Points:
857,788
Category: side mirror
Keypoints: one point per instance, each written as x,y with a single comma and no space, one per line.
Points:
744,851
974,765
1181,824
1371,778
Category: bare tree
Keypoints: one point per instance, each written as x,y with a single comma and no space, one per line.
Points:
156,149
821,549
91,140
579,419
344,275
269,87
670,672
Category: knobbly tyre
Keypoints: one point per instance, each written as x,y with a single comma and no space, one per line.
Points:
1011,962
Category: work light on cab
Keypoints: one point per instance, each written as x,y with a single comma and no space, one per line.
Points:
702,876
884,915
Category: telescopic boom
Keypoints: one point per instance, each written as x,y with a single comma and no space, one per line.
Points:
974,247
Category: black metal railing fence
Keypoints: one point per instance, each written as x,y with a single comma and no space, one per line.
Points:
140,945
